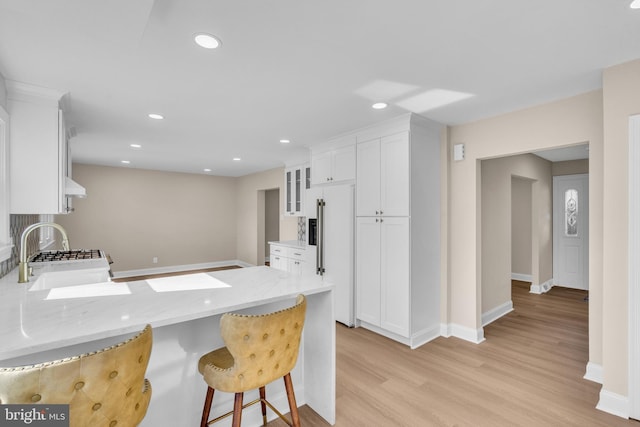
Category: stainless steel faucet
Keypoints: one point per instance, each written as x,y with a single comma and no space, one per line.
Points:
23,272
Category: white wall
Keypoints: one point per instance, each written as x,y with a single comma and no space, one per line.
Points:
3,92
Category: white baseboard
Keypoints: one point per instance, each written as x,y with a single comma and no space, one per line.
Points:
475,336
420,338
178,268
522,277
593,372
613,403
541,288
497,313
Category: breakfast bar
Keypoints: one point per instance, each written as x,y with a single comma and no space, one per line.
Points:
184,312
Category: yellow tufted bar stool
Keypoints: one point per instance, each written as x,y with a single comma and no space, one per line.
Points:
259,349
106,388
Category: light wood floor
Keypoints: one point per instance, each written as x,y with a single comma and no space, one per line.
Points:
528,372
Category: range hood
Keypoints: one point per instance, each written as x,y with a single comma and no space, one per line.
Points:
73,189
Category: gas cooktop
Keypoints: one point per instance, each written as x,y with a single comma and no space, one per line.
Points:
72,255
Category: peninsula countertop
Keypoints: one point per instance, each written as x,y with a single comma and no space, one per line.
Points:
34,327
31,323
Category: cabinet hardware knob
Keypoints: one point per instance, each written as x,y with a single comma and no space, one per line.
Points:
381,219
380,212
376,212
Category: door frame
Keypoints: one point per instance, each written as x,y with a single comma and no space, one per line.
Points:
557,225
634,269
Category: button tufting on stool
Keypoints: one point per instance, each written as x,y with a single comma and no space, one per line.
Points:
253,344
105,387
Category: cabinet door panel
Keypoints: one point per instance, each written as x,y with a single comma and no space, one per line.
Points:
344,163
288,190
368,270
321,168
394,175
394,272
368,178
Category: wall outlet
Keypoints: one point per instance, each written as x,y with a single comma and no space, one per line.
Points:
155,260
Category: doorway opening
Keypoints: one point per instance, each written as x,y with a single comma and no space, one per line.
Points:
271,220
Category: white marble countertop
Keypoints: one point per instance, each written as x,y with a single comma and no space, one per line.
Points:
296,244
31,323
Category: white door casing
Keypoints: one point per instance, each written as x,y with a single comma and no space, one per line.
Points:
634,268
571,231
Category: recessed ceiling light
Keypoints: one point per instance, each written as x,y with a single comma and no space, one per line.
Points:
156,116
285,141
379,105
207,170
236,159
135,145
207,41
126,162
635,4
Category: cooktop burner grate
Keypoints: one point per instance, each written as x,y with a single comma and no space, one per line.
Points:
75,254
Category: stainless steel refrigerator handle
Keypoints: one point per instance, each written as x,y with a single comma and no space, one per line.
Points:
320,237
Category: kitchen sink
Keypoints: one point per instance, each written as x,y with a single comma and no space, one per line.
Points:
59,279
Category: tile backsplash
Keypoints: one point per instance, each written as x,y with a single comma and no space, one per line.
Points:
302,228
16,226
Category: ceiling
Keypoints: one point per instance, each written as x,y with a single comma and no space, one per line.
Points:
300,70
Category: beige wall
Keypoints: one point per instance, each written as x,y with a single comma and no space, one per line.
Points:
521,221
576,120
496,176
182,219
250,206
136,215
570,167
621,94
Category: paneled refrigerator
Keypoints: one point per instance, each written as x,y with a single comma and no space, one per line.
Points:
332,207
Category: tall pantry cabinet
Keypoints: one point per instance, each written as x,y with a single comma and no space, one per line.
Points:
398,229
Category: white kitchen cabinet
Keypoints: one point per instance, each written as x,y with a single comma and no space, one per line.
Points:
39,163
296,182
383,176
383,273
294,258
5,234
398,229
334,162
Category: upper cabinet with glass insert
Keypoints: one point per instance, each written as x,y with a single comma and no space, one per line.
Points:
296,182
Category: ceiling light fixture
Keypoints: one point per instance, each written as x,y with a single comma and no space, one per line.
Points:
126,162
207,170
379,105
155,116
207,41
135,145
285,141
635,4
236,159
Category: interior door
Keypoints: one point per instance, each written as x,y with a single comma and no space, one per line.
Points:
571,231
